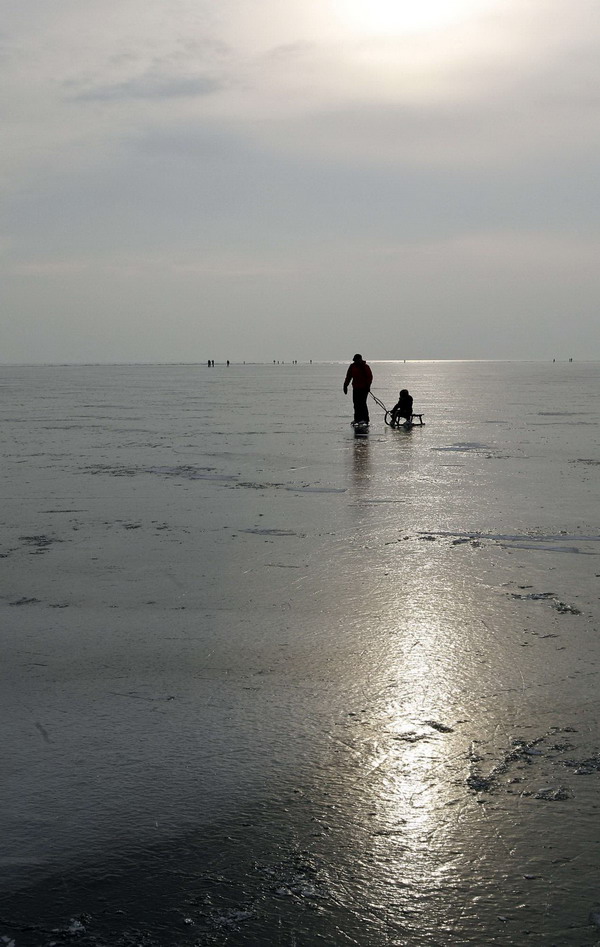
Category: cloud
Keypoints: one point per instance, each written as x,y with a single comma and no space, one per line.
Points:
50,269
251,155
151,85
498,88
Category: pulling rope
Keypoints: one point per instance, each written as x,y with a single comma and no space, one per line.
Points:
380,403
388,413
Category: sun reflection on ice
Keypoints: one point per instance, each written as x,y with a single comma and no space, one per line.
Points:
415,765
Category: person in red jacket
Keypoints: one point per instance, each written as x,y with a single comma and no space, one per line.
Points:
361,377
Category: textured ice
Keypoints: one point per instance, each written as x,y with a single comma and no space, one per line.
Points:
262,683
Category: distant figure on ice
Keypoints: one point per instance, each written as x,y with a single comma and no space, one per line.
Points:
403,408
361,377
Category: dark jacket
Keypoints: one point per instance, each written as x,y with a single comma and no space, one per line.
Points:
360,374
404,407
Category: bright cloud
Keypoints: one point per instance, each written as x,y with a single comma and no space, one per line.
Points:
283,147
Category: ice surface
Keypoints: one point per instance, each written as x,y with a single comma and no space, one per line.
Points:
264,681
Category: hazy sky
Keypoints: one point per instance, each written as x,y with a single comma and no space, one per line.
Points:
259,179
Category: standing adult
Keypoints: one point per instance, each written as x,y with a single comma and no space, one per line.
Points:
361,377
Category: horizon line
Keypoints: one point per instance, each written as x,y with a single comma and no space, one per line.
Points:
279,362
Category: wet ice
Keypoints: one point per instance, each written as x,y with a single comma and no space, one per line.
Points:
268,683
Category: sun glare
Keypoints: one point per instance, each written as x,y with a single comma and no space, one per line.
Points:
384,17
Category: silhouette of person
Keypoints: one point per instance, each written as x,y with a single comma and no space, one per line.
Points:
403,408
361,377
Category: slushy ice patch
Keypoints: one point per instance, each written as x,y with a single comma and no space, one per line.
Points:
537,768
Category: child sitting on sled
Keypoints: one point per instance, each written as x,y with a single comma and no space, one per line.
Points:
403,409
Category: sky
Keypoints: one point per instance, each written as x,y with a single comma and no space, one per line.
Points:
294,179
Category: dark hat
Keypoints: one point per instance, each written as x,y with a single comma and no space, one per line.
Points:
357,358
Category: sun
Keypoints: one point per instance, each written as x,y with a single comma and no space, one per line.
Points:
385,17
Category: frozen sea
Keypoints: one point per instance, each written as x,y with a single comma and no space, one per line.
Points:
263,683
